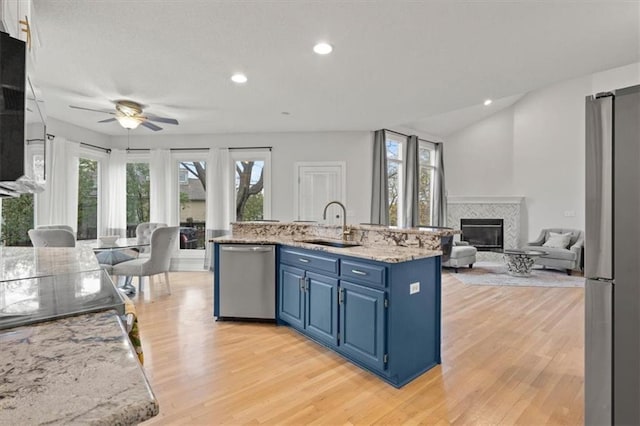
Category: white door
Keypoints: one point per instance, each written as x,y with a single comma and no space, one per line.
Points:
317,184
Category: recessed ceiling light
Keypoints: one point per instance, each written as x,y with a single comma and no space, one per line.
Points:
322,48
487,102
239,78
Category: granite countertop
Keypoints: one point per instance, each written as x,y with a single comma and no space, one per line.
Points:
76,370
380,253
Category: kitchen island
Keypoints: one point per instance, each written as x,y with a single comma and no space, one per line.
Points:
375,301
65,356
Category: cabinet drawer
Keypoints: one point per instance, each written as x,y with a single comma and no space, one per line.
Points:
364,272
302,259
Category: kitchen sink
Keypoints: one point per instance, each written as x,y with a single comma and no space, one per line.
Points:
341,244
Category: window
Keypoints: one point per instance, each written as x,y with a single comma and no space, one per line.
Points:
87,199
252,189
137,195
395,174
17,219
192,181
427,155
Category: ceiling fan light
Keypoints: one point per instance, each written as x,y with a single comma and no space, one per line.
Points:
129,122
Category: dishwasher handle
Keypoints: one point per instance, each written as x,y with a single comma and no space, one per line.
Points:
247,249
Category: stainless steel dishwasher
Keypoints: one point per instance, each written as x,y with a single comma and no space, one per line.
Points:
247,287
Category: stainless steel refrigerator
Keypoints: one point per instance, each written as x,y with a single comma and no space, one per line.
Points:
612,258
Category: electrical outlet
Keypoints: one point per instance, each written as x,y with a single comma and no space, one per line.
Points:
414,288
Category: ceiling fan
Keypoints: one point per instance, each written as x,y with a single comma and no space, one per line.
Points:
130,115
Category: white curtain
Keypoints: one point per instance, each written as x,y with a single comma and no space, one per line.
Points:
116,194
58,204
163,188
220,198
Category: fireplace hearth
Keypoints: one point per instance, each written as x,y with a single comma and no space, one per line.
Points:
483,234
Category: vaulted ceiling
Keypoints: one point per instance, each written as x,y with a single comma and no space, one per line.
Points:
394,62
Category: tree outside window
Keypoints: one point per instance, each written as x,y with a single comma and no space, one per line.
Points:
249,190
87,199
17,219
138,191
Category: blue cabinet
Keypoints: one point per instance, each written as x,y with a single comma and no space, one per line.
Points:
321,314
384,317
362,324
308,301
291,296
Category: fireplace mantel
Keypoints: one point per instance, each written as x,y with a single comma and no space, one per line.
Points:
484,200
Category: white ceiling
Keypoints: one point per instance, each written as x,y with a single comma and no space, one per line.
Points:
394,62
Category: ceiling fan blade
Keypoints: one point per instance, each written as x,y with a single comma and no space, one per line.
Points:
107,120
150,126
107,111
161,119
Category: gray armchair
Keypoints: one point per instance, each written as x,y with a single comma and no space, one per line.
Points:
67,227
163,244
569,258
52,238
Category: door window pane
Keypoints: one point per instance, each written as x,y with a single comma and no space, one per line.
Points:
17,219
249,190
192,177
87,199
137,196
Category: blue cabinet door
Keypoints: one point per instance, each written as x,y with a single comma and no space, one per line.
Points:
362,324
321,320
291,296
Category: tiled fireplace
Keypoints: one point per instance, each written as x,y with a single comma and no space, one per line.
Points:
509,209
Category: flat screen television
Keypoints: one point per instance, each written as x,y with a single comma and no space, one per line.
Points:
16,115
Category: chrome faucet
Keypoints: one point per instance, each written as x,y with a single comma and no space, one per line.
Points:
346,231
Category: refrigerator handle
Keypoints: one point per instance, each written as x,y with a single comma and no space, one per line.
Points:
598,246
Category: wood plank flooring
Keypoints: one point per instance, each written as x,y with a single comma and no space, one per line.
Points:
510,355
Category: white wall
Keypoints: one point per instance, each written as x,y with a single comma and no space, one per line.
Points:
355,148
479,158
76,133
534,149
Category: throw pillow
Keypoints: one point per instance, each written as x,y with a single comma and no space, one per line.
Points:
555,240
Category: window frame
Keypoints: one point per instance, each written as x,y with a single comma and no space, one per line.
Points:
187,156
401,140
252,155
101,157
430,146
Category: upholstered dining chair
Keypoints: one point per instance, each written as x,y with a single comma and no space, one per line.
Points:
163,244
52,238
65,227
143,233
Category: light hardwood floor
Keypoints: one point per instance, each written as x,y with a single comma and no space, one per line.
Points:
510,355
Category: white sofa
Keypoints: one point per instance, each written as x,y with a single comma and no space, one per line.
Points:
462,254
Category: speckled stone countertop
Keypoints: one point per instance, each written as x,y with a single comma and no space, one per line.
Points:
383,244
77,370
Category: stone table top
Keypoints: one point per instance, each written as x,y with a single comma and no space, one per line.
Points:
76,370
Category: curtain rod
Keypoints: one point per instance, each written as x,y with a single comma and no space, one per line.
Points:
107,150
251,147
171,149
406,136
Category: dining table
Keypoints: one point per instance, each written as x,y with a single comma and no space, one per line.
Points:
109,254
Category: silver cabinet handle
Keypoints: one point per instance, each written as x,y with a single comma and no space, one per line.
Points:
355,271
303,260
246,249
